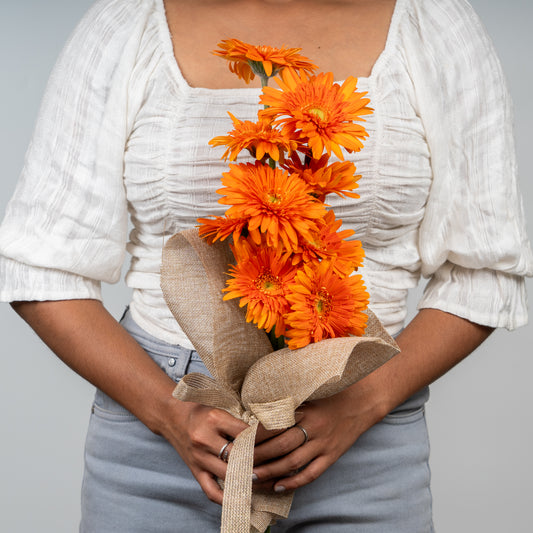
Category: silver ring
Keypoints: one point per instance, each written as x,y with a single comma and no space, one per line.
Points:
222,450
306,436
225,455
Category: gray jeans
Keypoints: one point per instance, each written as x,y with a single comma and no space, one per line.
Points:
135,482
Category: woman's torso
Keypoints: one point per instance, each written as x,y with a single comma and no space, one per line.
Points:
171,173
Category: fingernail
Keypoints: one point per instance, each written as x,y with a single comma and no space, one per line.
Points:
279,488
254,477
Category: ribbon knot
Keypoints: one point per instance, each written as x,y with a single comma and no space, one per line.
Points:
249,418
242,511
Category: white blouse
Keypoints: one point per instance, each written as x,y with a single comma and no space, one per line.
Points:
120,130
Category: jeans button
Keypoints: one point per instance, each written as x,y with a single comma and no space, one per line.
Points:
171,361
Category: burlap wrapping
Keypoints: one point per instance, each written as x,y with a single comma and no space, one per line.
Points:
251,381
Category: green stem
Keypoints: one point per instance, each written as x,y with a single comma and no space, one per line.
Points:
277,342
264,83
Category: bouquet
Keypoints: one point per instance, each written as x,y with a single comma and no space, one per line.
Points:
289,263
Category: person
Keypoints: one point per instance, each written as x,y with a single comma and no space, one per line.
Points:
125,124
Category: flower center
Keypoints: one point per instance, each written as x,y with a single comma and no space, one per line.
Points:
315,243
323,302
318,112
274,197
266,282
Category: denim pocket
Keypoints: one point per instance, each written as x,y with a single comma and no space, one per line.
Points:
411,410
405,416
106,408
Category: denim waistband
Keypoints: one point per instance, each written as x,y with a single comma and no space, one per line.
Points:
150,342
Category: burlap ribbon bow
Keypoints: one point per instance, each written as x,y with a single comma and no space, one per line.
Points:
250,381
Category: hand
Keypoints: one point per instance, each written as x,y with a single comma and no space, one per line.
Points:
198,433
430,345
333,424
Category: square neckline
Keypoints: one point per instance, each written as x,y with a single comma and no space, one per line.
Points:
168,48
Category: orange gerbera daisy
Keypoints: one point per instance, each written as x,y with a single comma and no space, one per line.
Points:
260,279
323,306
276,203
247,60
324,179
318,111
330,244
221,228
257,137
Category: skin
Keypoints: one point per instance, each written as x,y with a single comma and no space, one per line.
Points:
90,341
325,32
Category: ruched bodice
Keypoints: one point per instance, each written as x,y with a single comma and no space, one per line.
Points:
427,156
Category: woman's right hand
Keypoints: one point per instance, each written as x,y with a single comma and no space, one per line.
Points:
198,433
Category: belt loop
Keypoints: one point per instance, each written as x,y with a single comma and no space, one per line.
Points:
183,359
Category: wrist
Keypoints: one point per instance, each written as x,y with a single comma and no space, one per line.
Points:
370,399
160,412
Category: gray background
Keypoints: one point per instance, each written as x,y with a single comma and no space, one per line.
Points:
479,414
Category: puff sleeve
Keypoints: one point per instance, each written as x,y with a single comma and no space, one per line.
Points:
473,243
65,227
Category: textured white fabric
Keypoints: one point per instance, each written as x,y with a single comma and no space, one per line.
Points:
121,130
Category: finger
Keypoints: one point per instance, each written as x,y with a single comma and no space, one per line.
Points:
279,445
265,434
306,475
305,435
265,487
299,414
205,439
215,466
223,453
225,423
207,459
204,461
286,465
210,487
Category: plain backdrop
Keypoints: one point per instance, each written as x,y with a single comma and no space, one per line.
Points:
479,414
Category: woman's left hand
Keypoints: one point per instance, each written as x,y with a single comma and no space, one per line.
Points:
288,461
430,345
